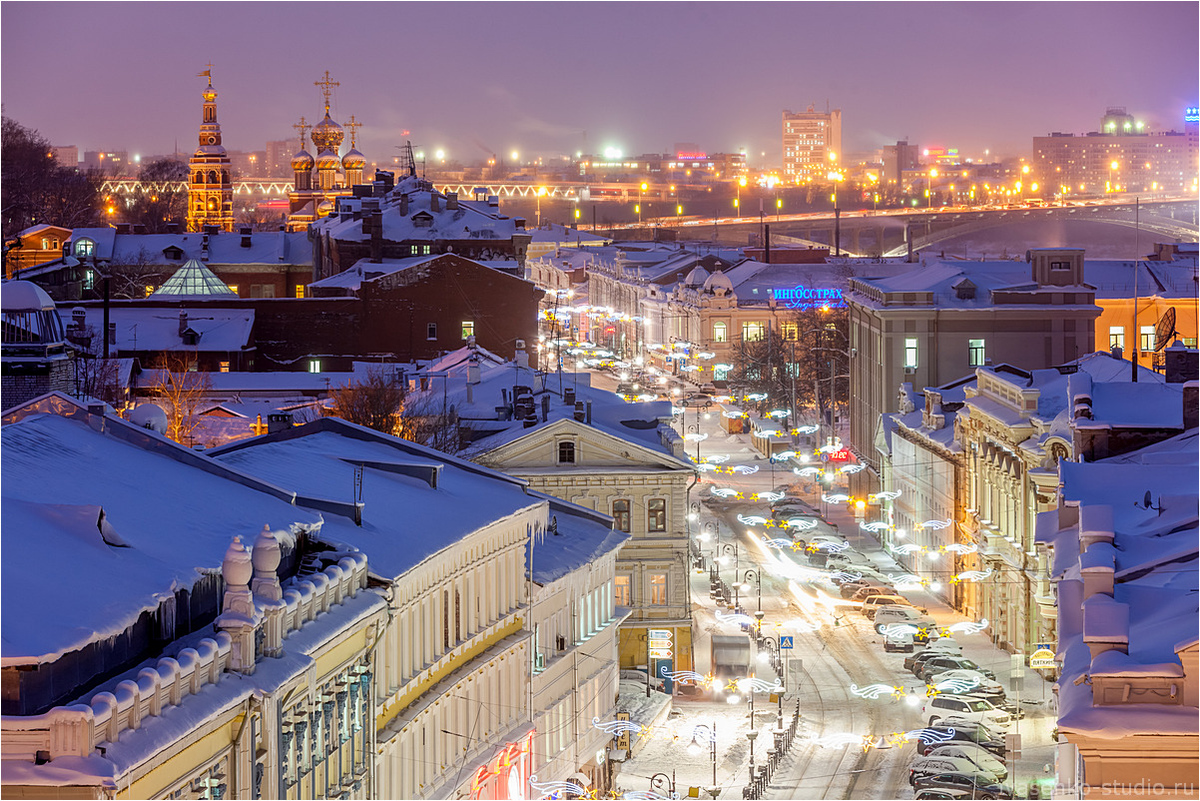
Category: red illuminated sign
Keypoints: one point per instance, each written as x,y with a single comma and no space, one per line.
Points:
836,456
508,772
686,155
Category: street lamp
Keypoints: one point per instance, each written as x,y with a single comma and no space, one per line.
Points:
716,536
933,173
725,549
695,749
641,190
660,782
757,583
751,735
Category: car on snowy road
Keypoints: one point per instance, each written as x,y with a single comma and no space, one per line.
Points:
982,758
944,763
965,785
935,736
967,709
942,646
939,664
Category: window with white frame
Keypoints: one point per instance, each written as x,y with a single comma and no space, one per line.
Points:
910,352
658,589
975,352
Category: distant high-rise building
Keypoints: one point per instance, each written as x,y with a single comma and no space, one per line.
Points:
66,155
210,185
1124,156
812,144
897,158
113,162
279,159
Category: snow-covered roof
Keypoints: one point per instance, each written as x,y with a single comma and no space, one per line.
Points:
23,296
265,247
941,278
427,218
405,520
1154,553
155,328
70,578
577,537
367,270
1114,280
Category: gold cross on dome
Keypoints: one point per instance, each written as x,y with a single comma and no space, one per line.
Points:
302,127
326,83
353,125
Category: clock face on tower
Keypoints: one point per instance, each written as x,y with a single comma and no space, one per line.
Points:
212,140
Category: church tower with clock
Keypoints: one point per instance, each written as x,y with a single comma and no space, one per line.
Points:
210,185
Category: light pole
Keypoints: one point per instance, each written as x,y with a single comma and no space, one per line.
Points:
757,583
694,429
709,733
660,782
725,549
933,173
751,736
712,569
641,191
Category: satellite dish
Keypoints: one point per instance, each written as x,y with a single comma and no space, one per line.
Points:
1146,500
1164,330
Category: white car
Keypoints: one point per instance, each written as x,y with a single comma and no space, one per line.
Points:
984,760
930,765
887,615
982,683
966,708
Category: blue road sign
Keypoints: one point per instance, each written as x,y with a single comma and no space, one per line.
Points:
785,642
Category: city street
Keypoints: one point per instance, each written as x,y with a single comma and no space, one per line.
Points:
846,745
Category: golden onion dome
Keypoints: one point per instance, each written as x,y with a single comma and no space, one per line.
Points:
327,135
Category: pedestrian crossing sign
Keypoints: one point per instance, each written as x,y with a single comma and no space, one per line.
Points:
785,642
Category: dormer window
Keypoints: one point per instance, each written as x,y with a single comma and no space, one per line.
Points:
566,452
84,247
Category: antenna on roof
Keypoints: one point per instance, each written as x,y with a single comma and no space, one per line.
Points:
1146,503
408,162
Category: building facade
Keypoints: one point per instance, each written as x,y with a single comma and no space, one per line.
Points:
939,322
812,145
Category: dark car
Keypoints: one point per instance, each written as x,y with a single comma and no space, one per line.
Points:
940,735
938,664
969,785
910,662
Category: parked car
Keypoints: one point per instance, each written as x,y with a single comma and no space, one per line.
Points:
940,664
888,615
984,730
983,688
871,605
966,784
942,734
966,708
861,592
940,647
984,759
848,559
935,763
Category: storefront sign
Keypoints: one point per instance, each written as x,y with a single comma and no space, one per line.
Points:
506,775
802,297
1042,658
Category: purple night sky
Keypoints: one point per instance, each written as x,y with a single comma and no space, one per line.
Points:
540,77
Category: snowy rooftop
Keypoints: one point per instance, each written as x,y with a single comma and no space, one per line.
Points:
70,579
427,218
1154,553
583,536
405,520
637,423
150,328
1164,279
942,278
266,247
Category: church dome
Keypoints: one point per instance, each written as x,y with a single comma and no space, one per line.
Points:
30,317
327,135
718,280
328,160
302,161
696,277
325,208
353,159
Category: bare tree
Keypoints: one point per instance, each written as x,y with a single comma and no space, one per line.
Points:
165,201
423,420
136,275
181,388
374,402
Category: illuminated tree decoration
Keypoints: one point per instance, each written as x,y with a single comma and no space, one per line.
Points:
617,727
888,495
967,627
971,575
550,789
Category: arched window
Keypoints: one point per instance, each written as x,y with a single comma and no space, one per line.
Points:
720,332
84,247
212,176
199,177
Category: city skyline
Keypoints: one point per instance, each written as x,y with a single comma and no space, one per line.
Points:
511,76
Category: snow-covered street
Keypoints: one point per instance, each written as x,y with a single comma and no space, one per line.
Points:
848,745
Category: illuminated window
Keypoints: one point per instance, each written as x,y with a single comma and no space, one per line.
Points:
299,290
224,367
233,288
752,332
656,514
1116,337
1147,338
721,372
975,352
148,289
468,328
910,351
314,365
566,452
425,250
622,594
658,589
431,331
720,332
89,279
789,331
84,247
620,513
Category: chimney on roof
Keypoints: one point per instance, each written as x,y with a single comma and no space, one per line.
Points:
1181,363
434,204
112,333
376,236
212,229
1191,400
569,396
245,232
545,407
580,414
204,246
451,201
122,228
172,228
139,229
403,205
588,419
183,321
